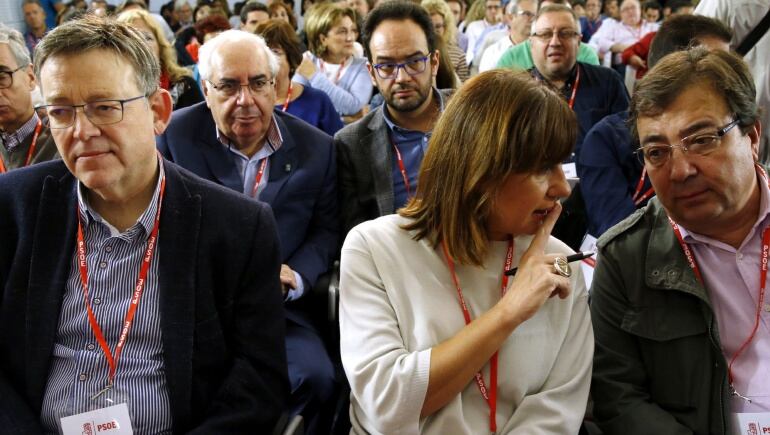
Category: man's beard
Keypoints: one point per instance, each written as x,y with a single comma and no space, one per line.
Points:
411,103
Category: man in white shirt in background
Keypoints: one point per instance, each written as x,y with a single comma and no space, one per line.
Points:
520,14
478,29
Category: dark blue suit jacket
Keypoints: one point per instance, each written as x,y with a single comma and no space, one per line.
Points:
301,189
220,305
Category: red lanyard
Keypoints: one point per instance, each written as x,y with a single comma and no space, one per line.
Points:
762,280
258,177
490,395
339,71
288,99
31,150
402,168
640,199
575,88
112,359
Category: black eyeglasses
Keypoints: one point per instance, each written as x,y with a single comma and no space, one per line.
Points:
102,112
658,154
563,35
6,77
231,88
412,67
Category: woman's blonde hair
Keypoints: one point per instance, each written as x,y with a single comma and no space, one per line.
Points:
441,8
476,11
320,18
498,123
168,63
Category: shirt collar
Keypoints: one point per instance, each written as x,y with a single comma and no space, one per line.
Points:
392,125
567,90
14,139
146,221
764,212
274,139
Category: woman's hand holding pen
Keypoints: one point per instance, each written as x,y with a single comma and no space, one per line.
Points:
536,279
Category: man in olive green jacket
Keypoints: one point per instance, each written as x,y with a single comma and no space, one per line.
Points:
663,324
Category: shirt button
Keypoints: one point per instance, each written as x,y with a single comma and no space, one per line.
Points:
82,377
97,301
108,248
767,308
740,256
90,346
103,265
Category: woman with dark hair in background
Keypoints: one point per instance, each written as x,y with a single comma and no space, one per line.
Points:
304,102
282,11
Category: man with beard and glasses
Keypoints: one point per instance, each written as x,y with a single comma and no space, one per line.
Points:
237,139
379,156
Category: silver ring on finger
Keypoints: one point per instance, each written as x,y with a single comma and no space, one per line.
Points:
561,267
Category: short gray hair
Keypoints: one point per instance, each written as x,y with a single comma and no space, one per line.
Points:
16,43
94,33
229,36
179,3
512,7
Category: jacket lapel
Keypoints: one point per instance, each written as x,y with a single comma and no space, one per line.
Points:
52,251
218,159
377,144
178,244
283,163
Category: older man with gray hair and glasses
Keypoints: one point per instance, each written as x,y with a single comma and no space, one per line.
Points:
25,136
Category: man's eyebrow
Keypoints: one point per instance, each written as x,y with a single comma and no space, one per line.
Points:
252,78
687,131
653,138
696,127
383,59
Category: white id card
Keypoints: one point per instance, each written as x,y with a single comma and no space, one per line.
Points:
751,423
113,420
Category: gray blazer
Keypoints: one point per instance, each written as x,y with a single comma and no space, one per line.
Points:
364,169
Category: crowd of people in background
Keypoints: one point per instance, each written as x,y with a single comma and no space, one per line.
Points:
408,125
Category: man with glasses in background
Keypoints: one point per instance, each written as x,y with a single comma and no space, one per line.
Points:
25,137
379,156
237,139
593,92
134,294
519,14
678,301
519,56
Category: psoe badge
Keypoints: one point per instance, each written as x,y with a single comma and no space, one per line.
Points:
751,423
113,420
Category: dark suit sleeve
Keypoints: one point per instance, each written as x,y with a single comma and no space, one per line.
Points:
622,402
15,415
617,93
255,392
604,185
319,248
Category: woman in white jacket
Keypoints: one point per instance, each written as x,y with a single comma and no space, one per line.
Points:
435,338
